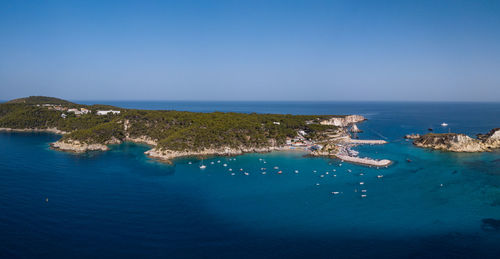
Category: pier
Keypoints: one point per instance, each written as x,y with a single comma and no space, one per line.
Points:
367,141
365,161
345,153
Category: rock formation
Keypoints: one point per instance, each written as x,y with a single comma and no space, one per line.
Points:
412,136
355,129
78,147
343,121
460,142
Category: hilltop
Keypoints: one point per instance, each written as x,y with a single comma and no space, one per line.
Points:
40,100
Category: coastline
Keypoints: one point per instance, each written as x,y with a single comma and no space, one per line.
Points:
79,147
318,135
454,142
169,155
47,130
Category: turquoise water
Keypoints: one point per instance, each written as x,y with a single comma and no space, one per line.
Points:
122,204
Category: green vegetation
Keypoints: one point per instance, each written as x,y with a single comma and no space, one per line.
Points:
98,134
175,130
22,116
41,100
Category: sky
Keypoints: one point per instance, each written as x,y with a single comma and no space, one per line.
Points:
251,50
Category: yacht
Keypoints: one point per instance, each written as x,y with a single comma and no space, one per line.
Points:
444,124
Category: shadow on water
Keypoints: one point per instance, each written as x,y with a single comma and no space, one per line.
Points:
490,224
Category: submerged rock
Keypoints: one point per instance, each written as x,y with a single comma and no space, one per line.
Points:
490,224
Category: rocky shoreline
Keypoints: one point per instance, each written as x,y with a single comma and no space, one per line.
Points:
77,146
168,155
331,148
460,142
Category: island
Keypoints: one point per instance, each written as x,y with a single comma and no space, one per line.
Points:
460,142
172,134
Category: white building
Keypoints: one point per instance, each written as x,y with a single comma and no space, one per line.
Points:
107,112
75,111
276,123
85,111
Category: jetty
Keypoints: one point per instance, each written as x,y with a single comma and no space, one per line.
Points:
345,152
365,161
367,141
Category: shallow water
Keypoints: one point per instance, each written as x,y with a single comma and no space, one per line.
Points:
123,204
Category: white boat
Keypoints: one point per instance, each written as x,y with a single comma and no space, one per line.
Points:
335,193
224,165
380,176
444,124
202,166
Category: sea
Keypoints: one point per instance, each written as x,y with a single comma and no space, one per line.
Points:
122,204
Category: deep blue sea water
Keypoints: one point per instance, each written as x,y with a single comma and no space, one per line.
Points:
121,204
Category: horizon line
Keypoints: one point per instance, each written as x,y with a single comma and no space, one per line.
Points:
292,100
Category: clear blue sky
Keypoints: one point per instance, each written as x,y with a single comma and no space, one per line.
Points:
251,50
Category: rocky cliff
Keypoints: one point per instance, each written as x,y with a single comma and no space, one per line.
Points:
460,142
343,121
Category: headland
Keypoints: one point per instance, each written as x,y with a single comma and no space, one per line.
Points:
173,134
